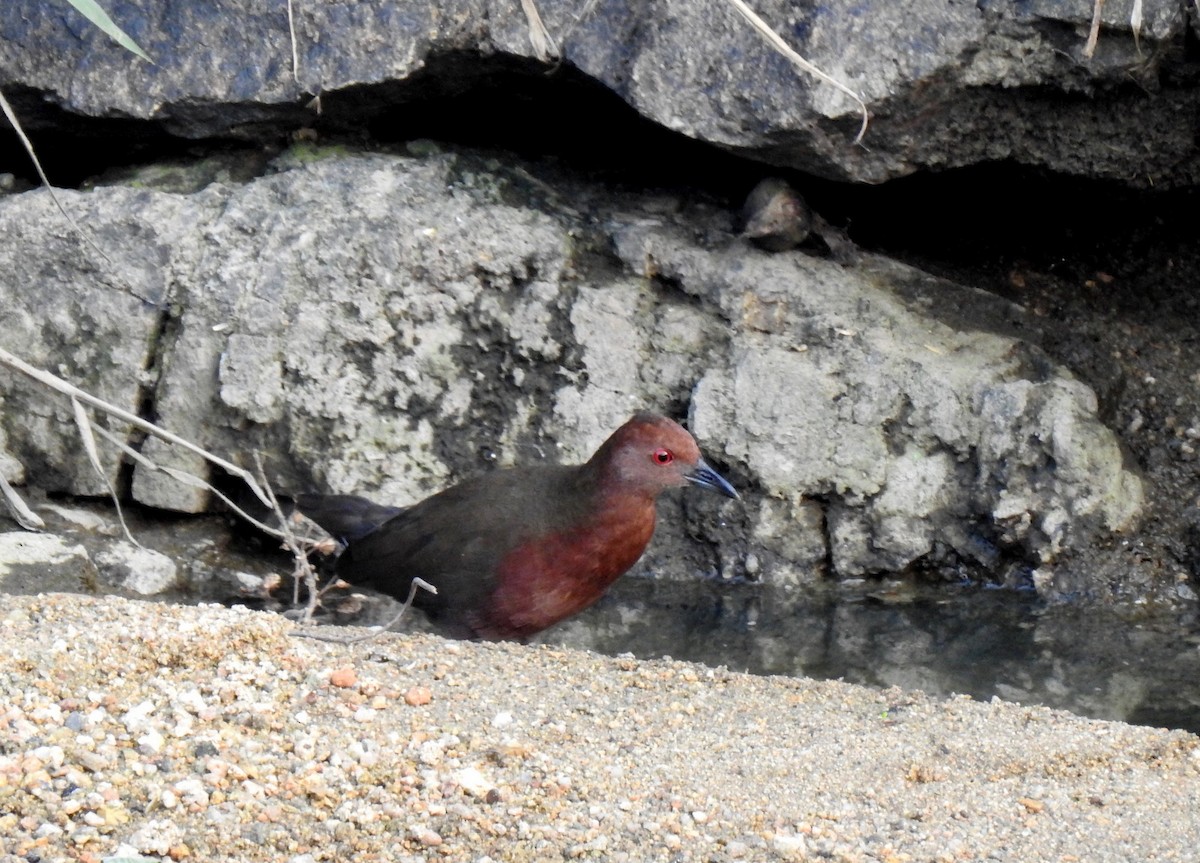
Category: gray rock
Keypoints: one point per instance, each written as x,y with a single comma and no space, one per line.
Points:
947,84
361,339
39,562
383,325
918,433
81,518
94,323
143,571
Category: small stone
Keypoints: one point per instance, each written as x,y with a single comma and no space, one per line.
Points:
789,845
474,782
151,743
48,829
192,792
75,721
417,696
427,837
135,718
343,678
156,837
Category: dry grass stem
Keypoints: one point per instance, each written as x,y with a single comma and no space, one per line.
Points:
302,568
184,478
73,392
1135,24
584,12
83,423
1094,33
295,51
544,47
20,510
777,42
12,118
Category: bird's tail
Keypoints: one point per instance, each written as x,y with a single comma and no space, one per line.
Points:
346,517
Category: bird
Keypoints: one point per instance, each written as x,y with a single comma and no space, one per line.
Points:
517,550
775,217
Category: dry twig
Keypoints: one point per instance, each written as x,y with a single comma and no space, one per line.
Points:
417,583
303,568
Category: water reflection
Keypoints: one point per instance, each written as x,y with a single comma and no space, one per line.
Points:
1094,662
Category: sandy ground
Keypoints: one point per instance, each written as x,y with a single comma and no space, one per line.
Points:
133,729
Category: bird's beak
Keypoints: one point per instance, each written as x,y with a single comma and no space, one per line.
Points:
704,476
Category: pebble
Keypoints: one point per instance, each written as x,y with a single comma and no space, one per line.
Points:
417,696
215,742
475,783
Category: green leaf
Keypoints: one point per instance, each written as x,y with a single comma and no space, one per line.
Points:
91,10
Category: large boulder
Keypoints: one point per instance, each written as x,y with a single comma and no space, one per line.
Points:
948,84
385,324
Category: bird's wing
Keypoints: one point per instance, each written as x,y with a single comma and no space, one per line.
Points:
455,539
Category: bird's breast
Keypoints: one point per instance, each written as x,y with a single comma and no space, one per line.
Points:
551,577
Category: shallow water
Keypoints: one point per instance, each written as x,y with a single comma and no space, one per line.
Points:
1128,665
1142,669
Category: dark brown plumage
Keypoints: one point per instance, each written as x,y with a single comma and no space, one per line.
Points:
515,551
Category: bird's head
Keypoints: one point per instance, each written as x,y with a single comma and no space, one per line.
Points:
651,453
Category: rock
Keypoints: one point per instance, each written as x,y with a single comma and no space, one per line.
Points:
142,570
472,781
81,518
947,84
462,319
836,387
43,562
95,333
157,836
775,217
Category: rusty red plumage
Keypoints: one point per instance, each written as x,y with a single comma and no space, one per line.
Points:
515,551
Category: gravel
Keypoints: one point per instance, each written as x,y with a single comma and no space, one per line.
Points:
131,729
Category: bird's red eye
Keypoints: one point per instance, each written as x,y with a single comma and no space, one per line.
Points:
664,456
